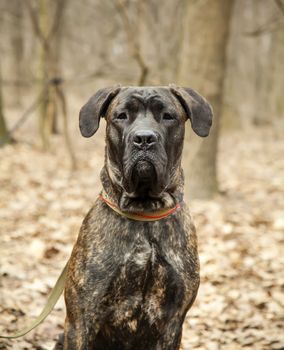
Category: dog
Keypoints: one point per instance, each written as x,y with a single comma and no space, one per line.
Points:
134,270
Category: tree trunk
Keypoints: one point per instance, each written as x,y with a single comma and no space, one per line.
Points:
203,63
54,66
17,37
49,66
4,134
261,61
43,26
132,31
276,100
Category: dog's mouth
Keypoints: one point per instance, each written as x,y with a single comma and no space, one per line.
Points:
143,170
145,176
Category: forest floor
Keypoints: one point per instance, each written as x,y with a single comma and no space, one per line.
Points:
240,304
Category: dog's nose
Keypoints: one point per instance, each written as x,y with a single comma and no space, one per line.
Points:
144,138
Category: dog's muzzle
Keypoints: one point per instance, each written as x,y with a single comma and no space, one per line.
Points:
145,162
144,169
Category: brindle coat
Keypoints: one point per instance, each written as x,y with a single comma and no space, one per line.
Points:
130,283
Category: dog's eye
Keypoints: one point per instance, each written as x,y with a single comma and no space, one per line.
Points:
121,116
168,116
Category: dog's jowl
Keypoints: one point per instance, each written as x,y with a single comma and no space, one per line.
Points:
134,270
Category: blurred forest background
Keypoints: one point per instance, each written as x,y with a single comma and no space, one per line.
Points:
54,54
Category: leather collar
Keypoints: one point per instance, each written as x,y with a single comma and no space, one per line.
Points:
143,216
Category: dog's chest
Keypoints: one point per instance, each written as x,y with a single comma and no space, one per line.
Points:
149,287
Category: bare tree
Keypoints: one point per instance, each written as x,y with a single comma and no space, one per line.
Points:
203,66
4,134
132,31
276,88
49,36
17,41
49,56
254,75
160,43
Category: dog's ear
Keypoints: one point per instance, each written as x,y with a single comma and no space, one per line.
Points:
94,109
197,109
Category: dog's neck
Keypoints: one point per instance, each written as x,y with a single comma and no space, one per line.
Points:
128,203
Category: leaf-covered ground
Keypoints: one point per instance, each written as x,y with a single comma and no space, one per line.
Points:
240,304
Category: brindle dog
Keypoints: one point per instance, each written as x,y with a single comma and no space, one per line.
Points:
130,283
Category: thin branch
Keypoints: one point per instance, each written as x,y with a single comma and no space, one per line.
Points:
280,5
27,113
36,26
62,101
266,28
60,6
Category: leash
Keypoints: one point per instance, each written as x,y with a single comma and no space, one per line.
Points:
51,301
60,283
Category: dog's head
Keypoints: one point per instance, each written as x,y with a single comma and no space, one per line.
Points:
145,132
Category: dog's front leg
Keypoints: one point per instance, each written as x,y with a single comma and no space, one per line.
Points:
77,335
80,325
73,339
171,337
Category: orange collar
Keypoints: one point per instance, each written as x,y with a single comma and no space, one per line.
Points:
153,216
